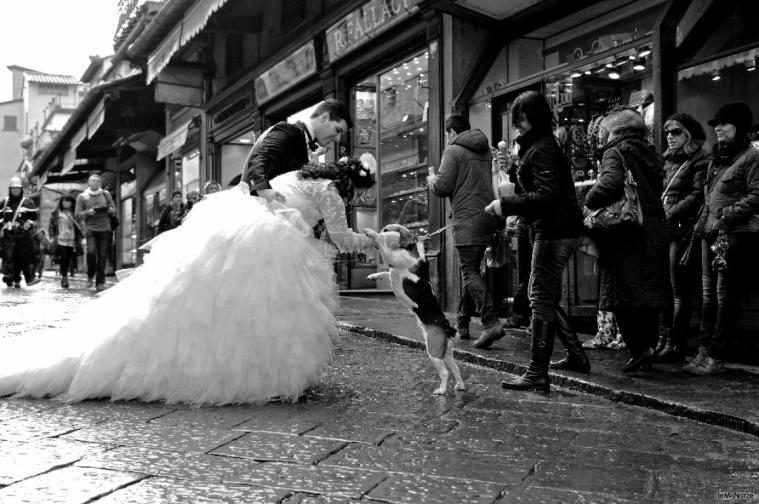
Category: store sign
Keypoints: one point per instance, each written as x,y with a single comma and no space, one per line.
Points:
364,23
286,73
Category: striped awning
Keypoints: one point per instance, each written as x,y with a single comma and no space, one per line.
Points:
194,20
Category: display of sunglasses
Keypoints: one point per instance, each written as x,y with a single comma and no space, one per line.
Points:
673,132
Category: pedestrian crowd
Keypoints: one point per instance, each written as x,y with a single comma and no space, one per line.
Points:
81,224
664,227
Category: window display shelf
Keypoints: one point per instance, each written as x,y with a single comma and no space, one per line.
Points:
406,192
402,128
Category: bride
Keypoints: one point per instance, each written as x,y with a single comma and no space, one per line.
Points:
235,305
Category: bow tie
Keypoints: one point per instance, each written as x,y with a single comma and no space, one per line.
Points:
312,145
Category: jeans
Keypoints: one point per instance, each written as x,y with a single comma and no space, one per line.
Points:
476,296
524,259
724,290
682,290
65,256
98,247
549,258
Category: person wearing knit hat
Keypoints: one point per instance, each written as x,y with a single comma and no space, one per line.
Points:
685,164
729,227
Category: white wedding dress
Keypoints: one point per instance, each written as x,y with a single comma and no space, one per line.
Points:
236,305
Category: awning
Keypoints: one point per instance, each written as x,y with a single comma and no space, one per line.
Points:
70,156
96,118
173,141
748,58
194,20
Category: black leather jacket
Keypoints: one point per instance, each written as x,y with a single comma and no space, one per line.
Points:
282,149
548,199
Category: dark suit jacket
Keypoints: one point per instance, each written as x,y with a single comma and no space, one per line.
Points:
281,150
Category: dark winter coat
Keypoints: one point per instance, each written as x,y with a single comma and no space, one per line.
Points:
547,198
684,191
465,177
171,217
732,188
633,261
52,230
28,211
280,150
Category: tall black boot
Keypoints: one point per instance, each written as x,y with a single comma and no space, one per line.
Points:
536,377
576,359
674,347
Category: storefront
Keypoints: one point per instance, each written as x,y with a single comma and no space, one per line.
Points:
584,70
388,91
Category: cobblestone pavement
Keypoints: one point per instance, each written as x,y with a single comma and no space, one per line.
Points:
370,432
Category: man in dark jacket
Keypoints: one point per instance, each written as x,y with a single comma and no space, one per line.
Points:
284,147
465,176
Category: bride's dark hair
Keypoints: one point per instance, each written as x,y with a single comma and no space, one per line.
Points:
348,174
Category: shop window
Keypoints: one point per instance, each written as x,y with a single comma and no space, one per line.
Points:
703,88
736,27
403,157
10,123
581,96
190,172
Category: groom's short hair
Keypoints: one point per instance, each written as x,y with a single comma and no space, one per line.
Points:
336,109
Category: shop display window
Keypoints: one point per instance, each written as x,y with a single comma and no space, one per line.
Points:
703,88
581,96
190,172
403,104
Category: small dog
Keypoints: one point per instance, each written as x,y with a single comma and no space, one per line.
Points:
409,277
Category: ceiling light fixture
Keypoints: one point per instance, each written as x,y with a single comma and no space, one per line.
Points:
716,76
639,65
614,75
644,52
576,74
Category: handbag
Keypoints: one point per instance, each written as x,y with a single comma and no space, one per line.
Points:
497,253
114,222
625,211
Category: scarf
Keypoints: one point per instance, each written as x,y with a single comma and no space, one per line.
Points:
89,192
724,155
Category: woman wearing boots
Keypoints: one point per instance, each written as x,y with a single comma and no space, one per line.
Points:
685,170
66,232
633,260
729,225
548,201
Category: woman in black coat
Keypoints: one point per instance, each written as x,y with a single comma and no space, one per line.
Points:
549,203
685,166
633,261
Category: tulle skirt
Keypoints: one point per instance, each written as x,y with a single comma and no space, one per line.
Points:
236,305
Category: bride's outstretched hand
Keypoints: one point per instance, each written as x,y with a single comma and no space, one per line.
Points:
371,234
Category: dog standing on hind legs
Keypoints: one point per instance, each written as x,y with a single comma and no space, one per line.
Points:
409,276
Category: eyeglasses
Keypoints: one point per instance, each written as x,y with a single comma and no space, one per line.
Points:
673,132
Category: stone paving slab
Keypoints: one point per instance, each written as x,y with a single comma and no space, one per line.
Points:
38,426
268,447
19,461
66,486
632,483
319,479
488,468
414,489
178,465
171,491
351,433
168,437
530,495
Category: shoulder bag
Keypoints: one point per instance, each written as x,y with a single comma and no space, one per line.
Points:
625,211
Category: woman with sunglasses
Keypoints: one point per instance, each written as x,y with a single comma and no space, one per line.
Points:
685,167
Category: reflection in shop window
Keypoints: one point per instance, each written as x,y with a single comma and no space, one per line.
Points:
403,156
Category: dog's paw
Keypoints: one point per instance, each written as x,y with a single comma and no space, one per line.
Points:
460,386
440,391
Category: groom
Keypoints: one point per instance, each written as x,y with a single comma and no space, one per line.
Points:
284,147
